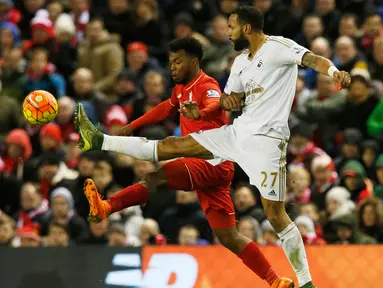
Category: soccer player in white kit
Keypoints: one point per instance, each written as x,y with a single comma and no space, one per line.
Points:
262,81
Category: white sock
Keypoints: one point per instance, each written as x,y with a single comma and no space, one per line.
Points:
136,147
294,248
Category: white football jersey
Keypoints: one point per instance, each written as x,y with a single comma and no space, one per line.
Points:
269,82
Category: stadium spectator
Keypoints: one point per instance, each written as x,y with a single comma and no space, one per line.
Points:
302,92
102,175
217,55
7,232
370,218
338,204
347,231
115,119
85,167
42,34
250,228
321,108
65,115
370,152
131,218
150,233
301,149
319,46
18,150
98,233
41,75
312,28
64,54
85,91
354,179
54,173
34,208
154,94
278,20
117,237
30,9
119,19
80,14
126,90
10,37
350,147
29,237
188,235
8,13
186,212
372,29
138,60
311,210
360,103
378,187
270,237
10,192
184,27
228,6
150,29
72,151
326,9
58,236
307,229
348,26
347,56
13,75
102,54
246,204
55,8
324,176
51,138
299,182
376,66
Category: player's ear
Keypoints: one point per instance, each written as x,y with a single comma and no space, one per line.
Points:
195,62
246,29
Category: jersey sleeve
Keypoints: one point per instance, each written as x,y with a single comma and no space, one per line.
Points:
290,53
173,99
211,94
233,83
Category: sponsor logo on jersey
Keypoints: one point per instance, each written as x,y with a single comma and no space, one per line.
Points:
272,193
213,94
253,87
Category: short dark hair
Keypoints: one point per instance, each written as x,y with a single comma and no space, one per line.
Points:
189,44
250,15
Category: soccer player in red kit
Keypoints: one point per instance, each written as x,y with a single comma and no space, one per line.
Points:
197,97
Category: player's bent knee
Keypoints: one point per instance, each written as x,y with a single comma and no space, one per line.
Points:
274,211
228,238
154,179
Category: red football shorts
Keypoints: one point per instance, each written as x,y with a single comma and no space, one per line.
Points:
212,184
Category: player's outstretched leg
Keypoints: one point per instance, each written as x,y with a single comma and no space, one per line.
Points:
137,147
247,250
292,242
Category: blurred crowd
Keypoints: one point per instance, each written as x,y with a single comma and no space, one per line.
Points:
112,56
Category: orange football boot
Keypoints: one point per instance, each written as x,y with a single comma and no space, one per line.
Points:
99,209
283,283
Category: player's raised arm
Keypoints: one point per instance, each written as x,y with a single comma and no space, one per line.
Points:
159,113
325,66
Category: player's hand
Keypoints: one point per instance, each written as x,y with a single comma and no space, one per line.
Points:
125,131
343,78
189,109
232,102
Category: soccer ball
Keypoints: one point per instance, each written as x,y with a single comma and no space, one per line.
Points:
40,107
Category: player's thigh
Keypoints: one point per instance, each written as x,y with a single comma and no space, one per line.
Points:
220,142
205,176
177,175
187,146
263,159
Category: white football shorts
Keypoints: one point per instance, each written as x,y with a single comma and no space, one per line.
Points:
262,157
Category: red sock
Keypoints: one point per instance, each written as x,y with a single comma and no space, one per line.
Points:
253,258
136,194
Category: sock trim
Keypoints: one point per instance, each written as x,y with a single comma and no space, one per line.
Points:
287,230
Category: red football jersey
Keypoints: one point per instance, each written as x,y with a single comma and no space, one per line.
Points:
200,90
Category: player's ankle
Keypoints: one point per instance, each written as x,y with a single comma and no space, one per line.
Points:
97,140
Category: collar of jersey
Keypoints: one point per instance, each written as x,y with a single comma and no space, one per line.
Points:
195,80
